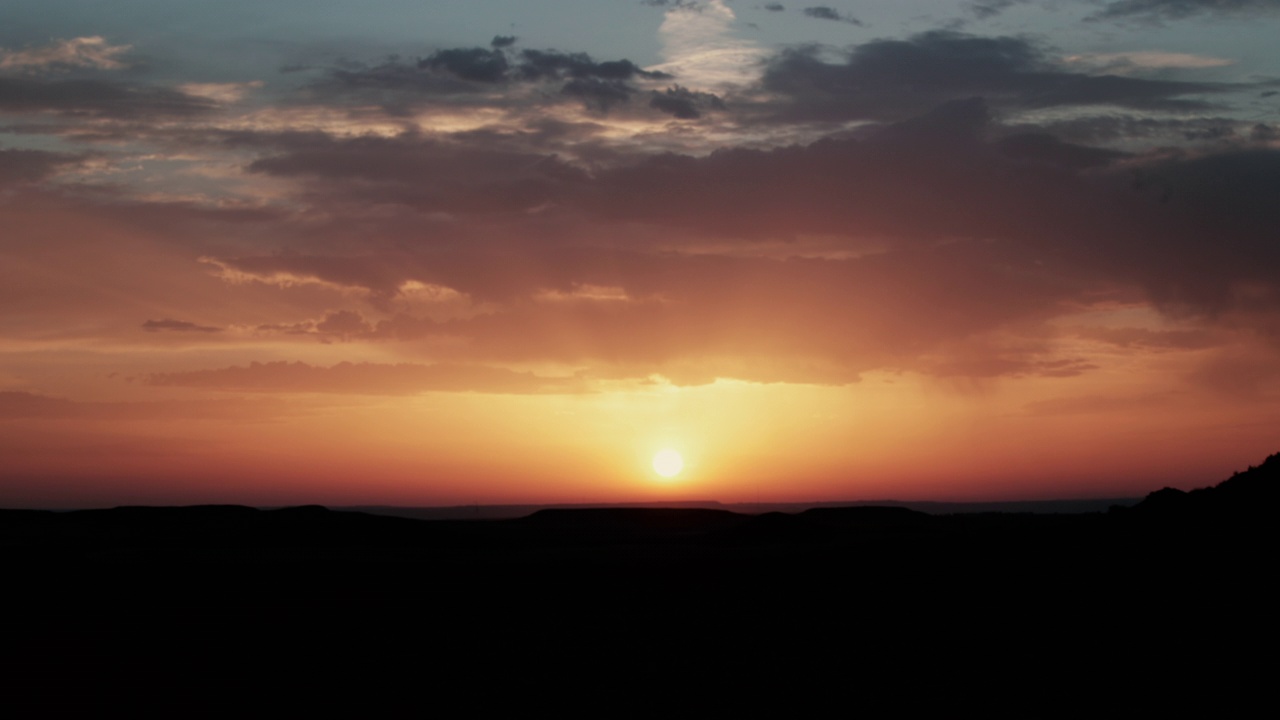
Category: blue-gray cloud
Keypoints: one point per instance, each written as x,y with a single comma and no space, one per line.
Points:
889,79
822,12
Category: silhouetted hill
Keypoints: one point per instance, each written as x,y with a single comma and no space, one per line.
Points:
1254,492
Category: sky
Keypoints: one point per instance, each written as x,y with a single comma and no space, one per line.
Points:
441,253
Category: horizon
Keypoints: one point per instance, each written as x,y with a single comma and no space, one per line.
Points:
490,511
646,251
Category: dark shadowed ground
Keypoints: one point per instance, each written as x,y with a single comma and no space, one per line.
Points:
1174,594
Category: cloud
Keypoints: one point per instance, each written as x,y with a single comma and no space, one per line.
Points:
1192,230
946,210
168,325
1128,337
935,240
1160,10
62,55
1046,148
393,84
369,379
229,92
31,166
598,94
822,12
1143,131
774,7
1099,404
427,173
684,103
1242,373
468,75
984,9
690,5
750,318
1125,62
700,47
543,64
97,98
27,406
475,64
891,79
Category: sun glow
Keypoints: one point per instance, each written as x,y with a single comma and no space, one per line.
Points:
668,463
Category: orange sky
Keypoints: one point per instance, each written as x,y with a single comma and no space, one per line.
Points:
935,264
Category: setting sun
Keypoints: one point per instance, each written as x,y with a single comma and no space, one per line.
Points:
668,463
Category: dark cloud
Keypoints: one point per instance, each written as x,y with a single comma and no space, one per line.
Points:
25,406
891,79
1158,10
1099,404
1142,131
393,84
822,12
544,64
345,323
1044,147
1216,215
462,72
984,9
930,178
674,4
775,7
1264,133
97,98
598,94
428,174
989,365
947,232
684,103
805,320
1195,231
29,166
1242,374
599,85
369,379
337,325
1152,339
168,325
475,64
503,41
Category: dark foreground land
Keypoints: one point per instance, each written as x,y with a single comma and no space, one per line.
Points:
1177,592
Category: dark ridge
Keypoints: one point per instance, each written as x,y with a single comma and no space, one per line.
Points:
604,526
776,528
667,518
867,515
1248,493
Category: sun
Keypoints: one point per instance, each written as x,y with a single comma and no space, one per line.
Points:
668,463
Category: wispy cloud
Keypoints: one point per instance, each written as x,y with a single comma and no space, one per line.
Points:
701,50
823,12
1122,62
1161,10
82,52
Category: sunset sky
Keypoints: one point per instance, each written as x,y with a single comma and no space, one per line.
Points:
424,252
